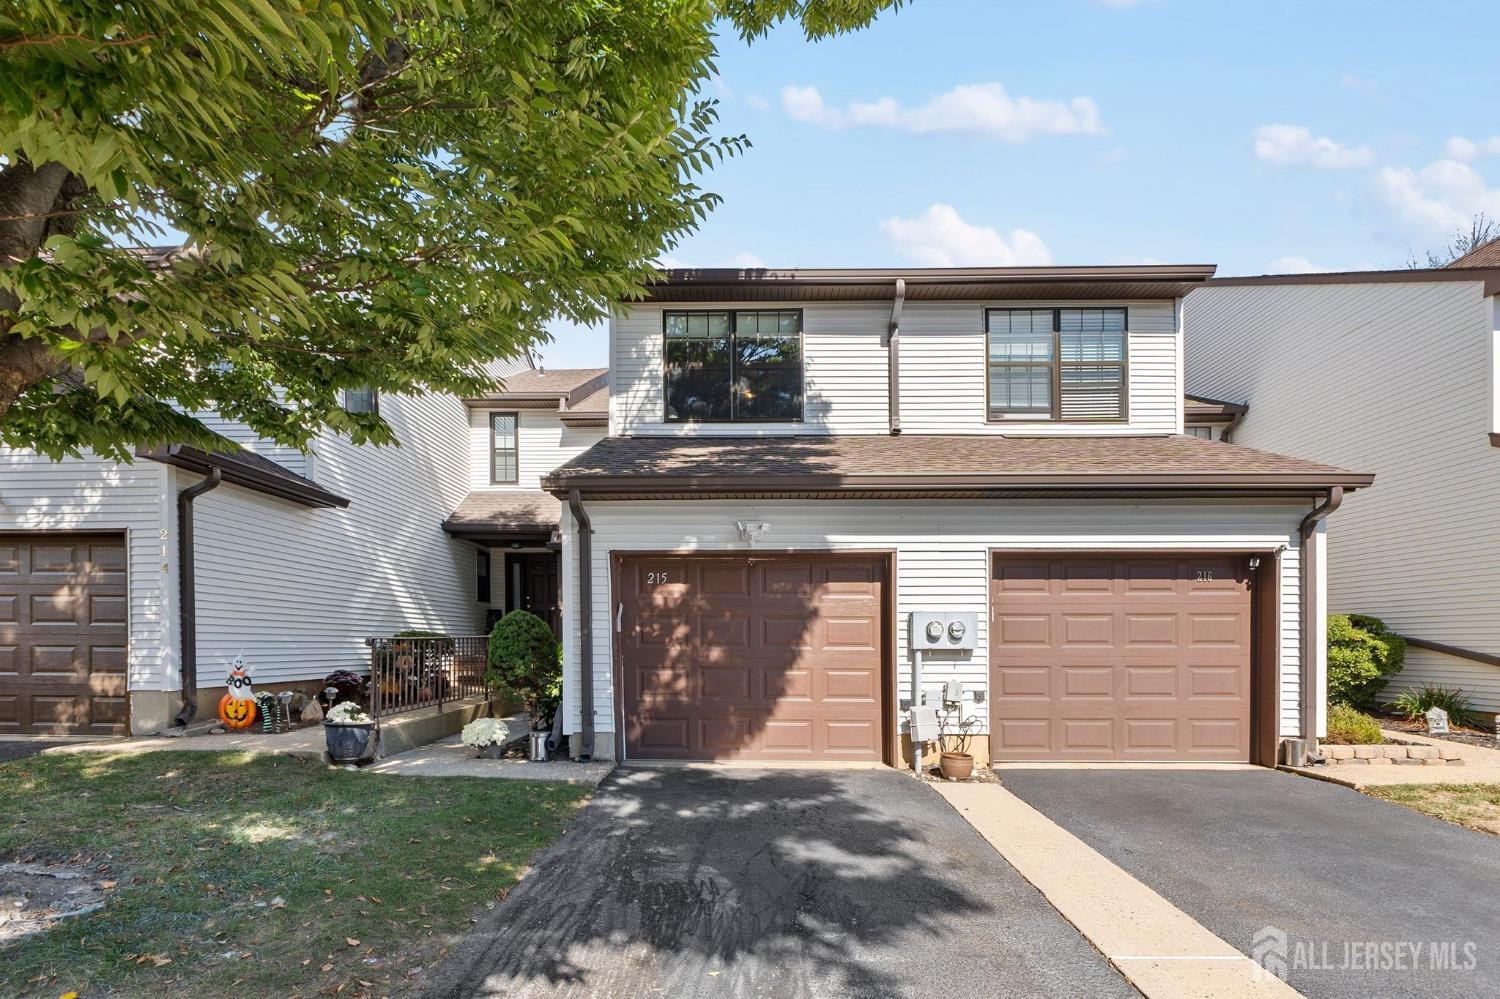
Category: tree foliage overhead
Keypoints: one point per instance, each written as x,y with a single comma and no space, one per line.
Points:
373,192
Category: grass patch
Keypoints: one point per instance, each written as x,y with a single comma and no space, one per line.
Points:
1474,806
258,876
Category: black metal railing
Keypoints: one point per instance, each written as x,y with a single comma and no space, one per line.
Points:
411,673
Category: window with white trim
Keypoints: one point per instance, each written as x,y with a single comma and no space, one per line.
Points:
1056,364
504,450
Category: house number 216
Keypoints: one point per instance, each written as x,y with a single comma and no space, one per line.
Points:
1205,575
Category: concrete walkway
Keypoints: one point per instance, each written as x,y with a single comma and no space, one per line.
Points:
1481,766
305,743
1161,950
451,758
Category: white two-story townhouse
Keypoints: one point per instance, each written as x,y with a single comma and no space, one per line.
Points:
1398,373
825,493
126,590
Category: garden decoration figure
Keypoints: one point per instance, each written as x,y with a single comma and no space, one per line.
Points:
237,707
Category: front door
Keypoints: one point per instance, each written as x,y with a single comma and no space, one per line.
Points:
537,589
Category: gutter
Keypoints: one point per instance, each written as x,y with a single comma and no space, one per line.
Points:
1310,570
585,624
893,357
187,592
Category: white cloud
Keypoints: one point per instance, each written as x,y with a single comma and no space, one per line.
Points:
1460,148
1294,265
1442,196
939,237
982,108
745,261
757,102
1295,145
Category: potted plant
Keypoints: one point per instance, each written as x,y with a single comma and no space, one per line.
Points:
488,737
957,764
348,729
525,659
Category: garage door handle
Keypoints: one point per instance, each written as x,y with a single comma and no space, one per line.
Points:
619,613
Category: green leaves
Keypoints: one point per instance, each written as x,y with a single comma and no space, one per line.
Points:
384,192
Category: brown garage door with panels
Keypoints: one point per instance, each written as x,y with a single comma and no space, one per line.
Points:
62,634
765,657
1116,657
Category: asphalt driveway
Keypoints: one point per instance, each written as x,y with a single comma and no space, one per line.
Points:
19,749
1373,898
687,883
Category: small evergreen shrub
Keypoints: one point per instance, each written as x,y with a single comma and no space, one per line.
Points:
526,659
1363,655
1349,726
1414,704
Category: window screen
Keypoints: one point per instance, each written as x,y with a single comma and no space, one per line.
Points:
503,456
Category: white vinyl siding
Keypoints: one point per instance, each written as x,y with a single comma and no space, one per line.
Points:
943,558
1390,378
543,443
296,590
288,458
844,364
90,494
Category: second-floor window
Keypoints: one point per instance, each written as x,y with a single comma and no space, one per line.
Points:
362,399
504,459
733,365
1056,364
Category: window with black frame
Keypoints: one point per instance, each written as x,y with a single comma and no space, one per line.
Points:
1056,364
361,399
740,365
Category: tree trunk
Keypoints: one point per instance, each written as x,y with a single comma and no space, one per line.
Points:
27,195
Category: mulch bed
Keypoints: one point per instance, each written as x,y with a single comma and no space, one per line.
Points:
1468,736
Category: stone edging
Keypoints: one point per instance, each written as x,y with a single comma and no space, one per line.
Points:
1422,755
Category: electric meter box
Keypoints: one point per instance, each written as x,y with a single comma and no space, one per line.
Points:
951,630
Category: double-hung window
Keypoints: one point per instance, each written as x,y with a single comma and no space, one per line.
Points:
503,448
361,399
1056,364
733,365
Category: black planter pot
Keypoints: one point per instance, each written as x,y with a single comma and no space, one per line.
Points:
348,743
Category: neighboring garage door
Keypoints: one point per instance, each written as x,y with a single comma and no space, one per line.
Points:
775,657
1120,658
62,634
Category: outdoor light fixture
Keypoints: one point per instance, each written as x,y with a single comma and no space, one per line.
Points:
751,530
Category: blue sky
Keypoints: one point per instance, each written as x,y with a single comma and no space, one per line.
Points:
1261,136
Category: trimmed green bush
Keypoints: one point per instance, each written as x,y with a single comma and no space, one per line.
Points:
1351,727
1414,704
1363,655
526,659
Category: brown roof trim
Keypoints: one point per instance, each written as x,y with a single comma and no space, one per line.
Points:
1200,409
1489,276
562,398
576,418
932,283
248,469
1285,483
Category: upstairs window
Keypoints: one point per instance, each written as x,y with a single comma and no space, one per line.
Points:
503,449
362,399
741,365
1056,364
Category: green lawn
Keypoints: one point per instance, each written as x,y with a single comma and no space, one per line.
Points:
361,879
1476,806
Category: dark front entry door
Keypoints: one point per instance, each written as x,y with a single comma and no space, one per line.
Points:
534,587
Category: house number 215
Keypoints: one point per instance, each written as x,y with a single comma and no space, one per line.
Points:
656,578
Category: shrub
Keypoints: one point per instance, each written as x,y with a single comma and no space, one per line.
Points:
1362,656
1414,704
526,660
1350,727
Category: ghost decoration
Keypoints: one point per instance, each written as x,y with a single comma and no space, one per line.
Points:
237,707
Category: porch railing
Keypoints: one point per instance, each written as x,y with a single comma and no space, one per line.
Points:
411,673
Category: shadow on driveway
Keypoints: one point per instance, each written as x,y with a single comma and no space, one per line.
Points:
688,883
1348,879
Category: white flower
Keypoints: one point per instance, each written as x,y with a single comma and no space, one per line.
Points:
484,732
348,713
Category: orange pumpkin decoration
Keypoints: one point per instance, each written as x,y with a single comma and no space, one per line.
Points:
237,708
236,712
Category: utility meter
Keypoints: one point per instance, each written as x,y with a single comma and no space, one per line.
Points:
953,631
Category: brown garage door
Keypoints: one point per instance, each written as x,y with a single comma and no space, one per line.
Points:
62,634
774,657
1120,658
